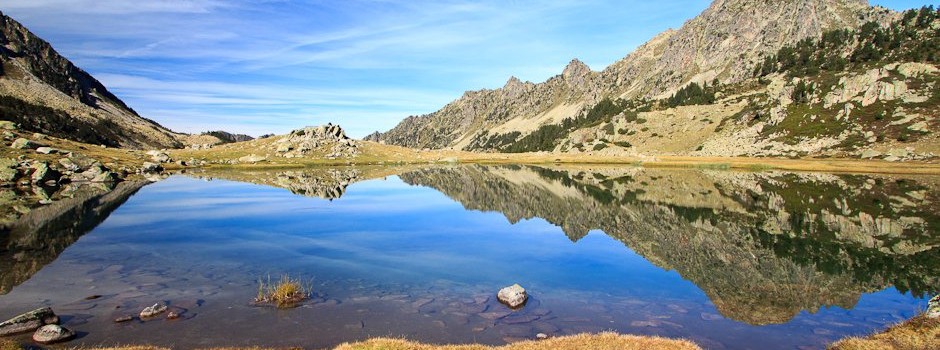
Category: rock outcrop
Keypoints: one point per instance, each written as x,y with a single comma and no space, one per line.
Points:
328,139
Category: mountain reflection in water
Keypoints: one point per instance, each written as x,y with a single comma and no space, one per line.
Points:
766,249
762,245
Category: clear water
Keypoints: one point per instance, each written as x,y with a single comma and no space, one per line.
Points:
729,260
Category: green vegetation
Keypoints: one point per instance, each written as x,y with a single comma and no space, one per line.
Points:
42,119
623,144
547,136
692,94
911,38
802,92
600,146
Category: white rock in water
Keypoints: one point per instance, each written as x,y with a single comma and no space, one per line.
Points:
933,307
513,296
152,311
52,333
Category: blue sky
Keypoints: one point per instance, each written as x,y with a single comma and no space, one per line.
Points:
270,66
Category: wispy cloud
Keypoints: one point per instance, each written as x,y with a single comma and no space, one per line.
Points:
244,65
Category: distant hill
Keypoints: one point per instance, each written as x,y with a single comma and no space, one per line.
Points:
45,92
227,137
736,80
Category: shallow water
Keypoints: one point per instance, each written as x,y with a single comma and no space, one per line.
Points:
730,260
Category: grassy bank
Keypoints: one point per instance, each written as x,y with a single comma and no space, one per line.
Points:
378,154
602,341
915,334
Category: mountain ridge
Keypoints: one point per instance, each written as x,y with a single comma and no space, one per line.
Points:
718,45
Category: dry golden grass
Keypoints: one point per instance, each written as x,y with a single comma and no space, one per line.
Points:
374,153
286,292
9,345
602,341
134,347
918,333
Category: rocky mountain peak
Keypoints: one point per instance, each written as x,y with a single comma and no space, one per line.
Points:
513,82
575,70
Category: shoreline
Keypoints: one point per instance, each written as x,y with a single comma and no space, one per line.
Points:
919,332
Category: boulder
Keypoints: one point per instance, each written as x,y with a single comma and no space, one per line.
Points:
69,165
513,296
898,152
933,307
46,150
149,167
152,311
919,127
29,321
42,173
22,143
161,158
52,333
7,125
8,170
868,154
251,158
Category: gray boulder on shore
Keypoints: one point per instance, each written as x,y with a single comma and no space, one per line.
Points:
28,322
52,333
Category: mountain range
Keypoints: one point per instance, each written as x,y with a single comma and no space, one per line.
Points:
625,107
795,78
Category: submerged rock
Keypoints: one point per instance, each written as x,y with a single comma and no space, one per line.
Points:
152,311
125,318
52,333
513,296
29,321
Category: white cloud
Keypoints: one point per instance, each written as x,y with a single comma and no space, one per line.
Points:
245,65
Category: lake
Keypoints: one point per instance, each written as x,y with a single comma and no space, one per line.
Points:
730,260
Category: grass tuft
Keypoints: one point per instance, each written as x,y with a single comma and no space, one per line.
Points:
284,293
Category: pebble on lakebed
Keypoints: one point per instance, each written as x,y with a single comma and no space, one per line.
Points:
513,296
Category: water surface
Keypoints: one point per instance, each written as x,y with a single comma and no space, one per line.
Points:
731,260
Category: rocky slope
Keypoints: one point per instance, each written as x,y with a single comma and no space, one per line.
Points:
762,246
722,45
45,92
